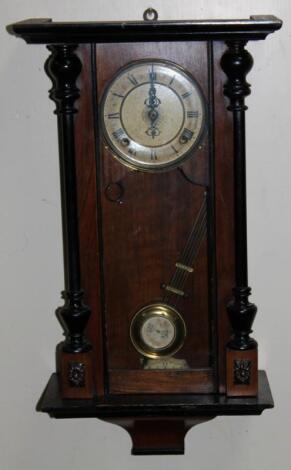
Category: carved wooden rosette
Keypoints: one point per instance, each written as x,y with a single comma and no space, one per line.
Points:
74,361
241,351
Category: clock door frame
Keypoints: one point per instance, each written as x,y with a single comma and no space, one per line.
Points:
220,247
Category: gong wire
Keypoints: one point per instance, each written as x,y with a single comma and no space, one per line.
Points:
191,248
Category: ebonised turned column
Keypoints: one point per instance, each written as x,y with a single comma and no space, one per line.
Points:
241,351
74,361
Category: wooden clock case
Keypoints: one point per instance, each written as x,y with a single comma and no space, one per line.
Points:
98,372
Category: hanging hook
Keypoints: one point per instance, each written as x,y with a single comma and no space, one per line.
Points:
150,14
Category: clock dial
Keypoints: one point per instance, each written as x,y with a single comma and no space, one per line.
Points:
157,330
153,115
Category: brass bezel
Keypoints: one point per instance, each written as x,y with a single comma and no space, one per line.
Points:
157,309
151,168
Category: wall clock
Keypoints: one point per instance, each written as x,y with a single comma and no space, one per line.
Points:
156,314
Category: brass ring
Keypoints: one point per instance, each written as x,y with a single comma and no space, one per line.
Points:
157,310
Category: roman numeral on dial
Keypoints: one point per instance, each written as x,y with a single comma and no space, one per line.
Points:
118,134
186,94
132,151
152,75
118,95
192,114
153,154
172,79
132,79
186,136
175,150
113,116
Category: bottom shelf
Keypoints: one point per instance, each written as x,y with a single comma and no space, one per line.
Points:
154,405
157,423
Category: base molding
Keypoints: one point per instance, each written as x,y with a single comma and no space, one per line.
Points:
157,424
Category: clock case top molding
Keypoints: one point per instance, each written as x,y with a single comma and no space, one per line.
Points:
158,419
45,31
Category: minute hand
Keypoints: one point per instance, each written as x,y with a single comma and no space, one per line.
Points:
152,102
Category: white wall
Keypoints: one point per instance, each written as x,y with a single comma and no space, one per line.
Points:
30,252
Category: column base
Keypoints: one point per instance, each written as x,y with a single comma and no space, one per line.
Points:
75,374
241,372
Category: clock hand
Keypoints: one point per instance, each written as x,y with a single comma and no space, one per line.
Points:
152,102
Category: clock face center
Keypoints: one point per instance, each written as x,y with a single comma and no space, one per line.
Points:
148,125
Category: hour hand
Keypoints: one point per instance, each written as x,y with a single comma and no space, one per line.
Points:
152,102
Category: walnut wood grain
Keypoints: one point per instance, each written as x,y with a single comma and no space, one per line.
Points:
159,436
75,373
144,235
161,381
88,213
242,373
167,193
223,145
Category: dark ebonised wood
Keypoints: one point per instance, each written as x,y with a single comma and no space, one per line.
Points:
63,67
157,424
236,62
154,405
45,31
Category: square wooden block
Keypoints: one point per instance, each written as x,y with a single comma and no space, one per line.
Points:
241,372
